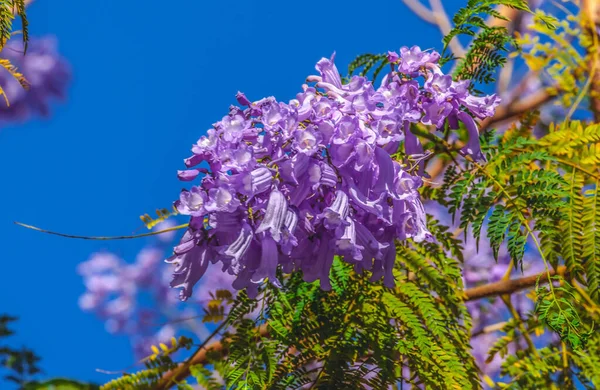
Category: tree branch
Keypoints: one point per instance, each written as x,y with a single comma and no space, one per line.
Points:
513,23
591,21
27,3
489,329
172,377
420,10
438,17
512,110
443,22
510,286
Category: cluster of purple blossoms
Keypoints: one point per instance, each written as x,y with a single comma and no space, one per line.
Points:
46,72
295,184
134,299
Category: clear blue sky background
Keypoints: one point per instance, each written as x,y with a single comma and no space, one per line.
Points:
149,79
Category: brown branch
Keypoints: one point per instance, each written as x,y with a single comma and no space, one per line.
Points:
512,24
172,377
591,12
27,3
421,11
509,13
443,22
514,109
438,17
489,329
510,286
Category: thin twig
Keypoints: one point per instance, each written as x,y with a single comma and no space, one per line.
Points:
489,329
515,314
102,238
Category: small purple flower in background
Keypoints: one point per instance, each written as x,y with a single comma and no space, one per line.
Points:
318,177
46,72
135,299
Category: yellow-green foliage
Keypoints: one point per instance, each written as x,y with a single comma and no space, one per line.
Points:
161,216
156,365
560,55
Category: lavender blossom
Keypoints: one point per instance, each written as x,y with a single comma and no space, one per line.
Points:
47,73
134,299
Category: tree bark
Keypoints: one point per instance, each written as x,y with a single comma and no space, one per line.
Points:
591,19
509,286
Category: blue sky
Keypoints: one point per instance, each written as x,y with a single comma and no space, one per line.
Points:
149,79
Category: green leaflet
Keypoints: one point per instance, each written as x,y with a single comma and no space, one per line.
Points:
489,45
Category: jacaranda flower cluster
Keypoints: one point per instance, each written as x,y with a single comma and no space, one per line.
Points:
295,184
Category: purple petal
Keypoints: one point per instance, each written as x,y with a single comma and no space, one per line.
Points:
472,148
274,215
268,263
188,175
189,269
329,71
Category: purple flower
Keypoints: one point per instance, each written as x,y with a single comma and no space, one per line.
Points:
472,148
393,56
336,214
189,268
438,84
329,72
46,72
275,215
242,99
436,114
307,140
221,199
257,182
388,131
411,60
188,174
192,202
481,107
134,299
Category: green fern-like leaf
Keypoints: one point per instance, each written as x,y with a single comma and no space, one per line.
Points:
489,43
367,62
